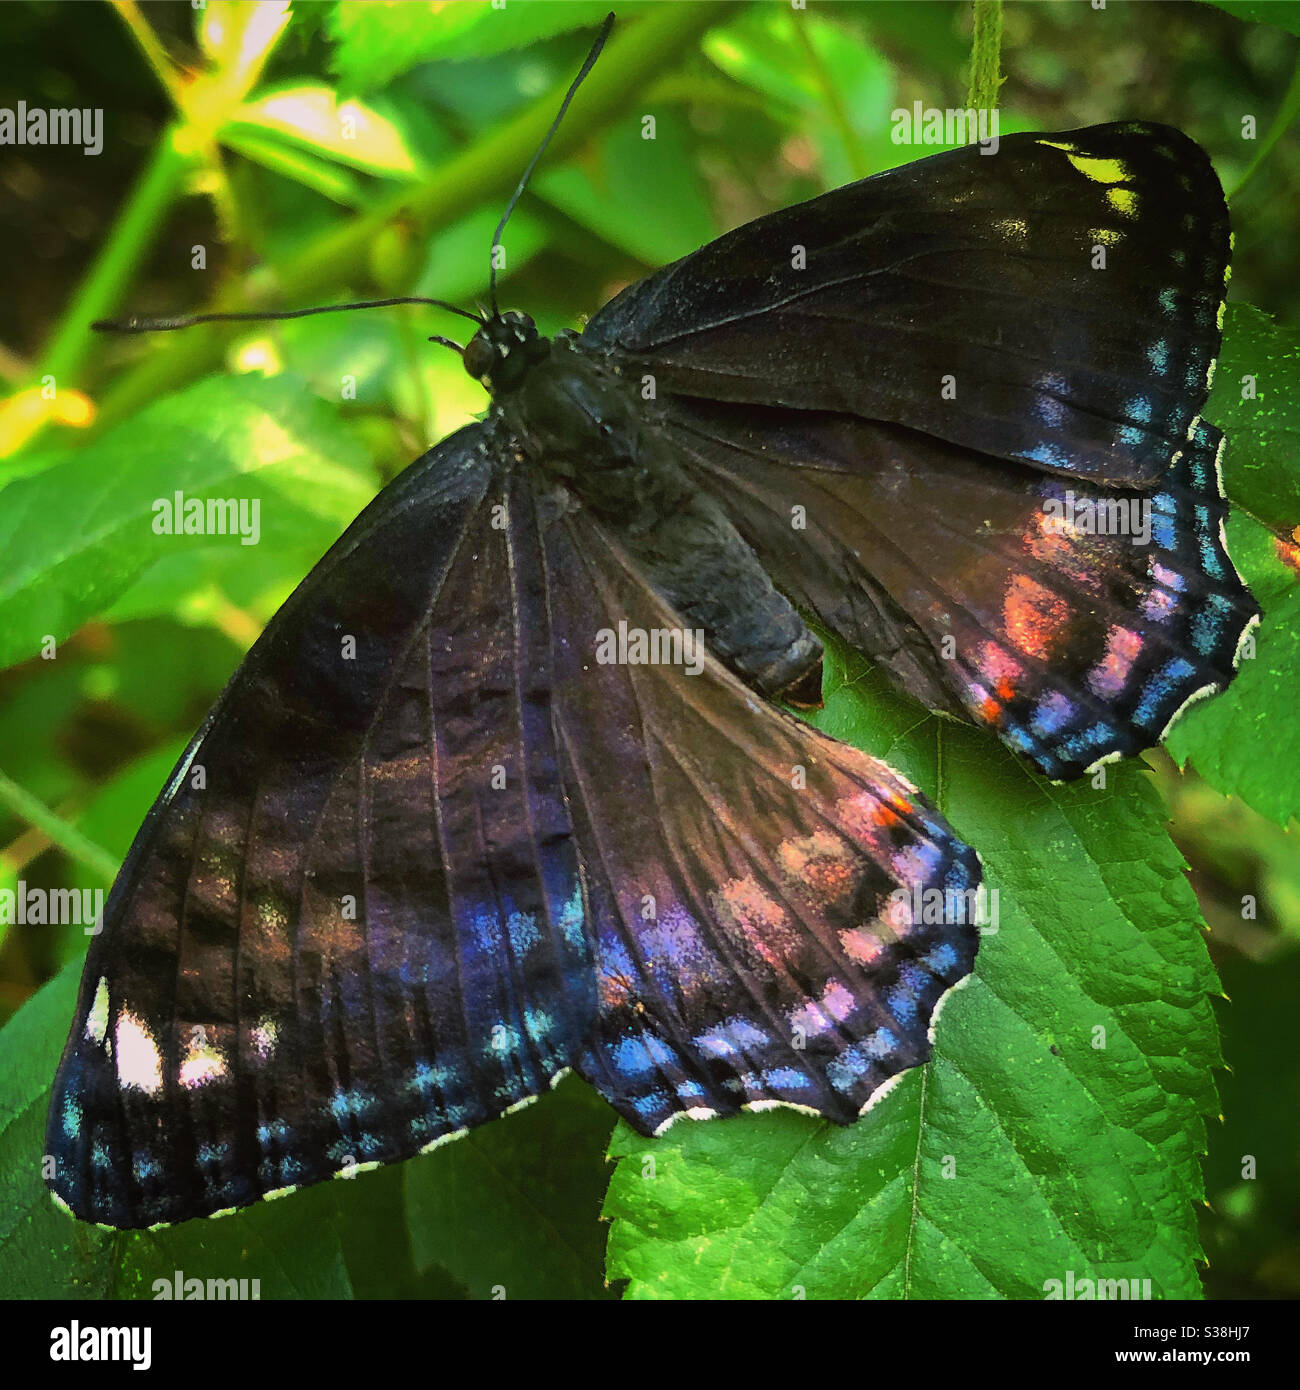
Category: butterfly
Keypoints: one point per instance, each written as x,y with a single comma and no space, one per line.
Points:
449,832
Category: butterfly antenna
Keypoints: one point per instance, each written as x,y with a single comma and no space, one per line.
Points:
541,150
166,323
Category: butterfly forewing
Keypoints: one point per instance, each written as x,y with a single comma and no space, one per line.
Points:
1056,301
353,923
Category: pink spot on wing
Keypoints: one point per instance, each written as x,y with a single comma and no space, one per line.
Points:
1108,678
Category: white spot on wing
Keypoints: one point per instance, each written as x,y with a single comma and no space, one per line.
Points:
139,1063
97,1018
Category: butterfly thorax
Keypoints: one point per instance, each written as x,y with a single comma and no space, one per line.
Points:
583,425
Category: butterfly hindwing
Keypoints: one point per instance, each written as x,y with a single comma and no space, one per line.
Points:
1074,620
353,923
776,914
1056,301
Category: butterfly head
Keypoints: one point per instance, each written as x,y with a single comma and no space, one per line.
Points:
501,352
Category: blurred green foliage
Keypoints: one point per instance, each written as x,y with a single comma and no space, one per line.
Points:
346,150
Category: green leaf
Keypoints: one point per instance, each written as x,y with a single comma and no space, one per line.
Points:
1058,1126
1283,13
357,133
76,535
322,177
375,42
457,260
535,1182
607,193
1256,389
841,87
44,1253
1244,741
238,36
294,1251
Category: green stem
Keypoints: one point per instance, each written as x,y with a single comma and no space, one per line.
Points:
1286,114
35,812
136,229
153,52
986,56
488,169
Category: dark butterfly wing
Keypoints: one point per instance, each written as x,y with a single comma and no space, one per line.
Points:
411,886
1076,621
776,914
353,923
984,270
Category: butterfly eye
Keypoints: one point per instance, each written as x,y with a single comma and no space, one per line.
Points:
478,357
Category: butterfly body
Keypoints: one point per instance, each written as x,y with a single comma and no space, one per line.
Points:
432,848
584,426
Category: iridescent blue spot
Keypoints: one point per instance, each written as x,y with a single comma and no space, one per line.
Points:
1052,713
426,1079
538,1023
653,1104
1080,744
1158,355
71,1116
941,959
345,1105
730,1037
487,931
281,1172
1164,531
1018,738
1132,435
1159,689
786,1079
523,931
1169,579
690,1090
144,1167
1209,623
846,1071
1168,299
1052,454
1139,409
902,1004
641,1054
277,1130
571,920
